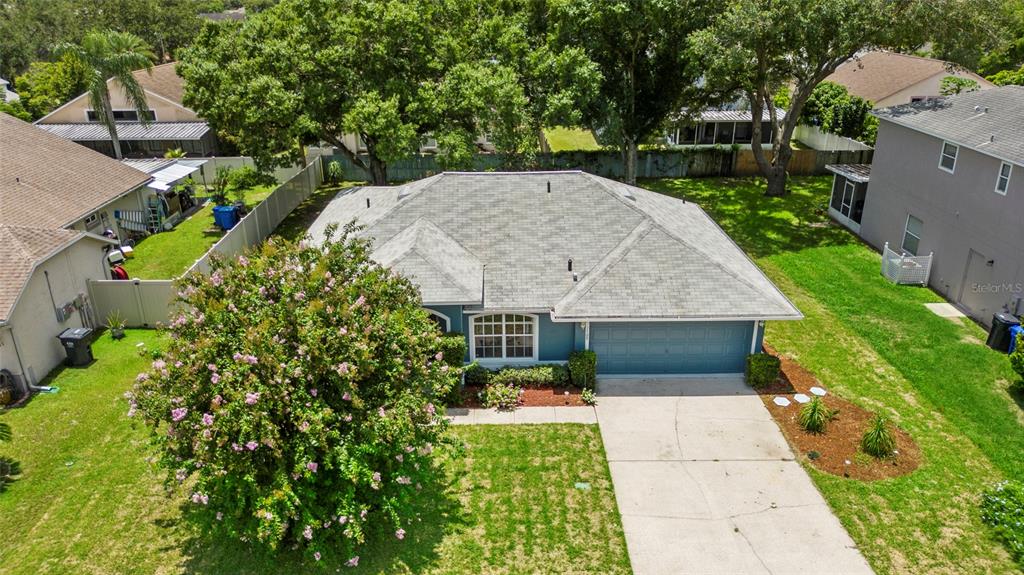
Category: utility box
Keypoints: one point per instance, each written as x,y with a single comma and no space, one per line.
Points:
77,344
999,334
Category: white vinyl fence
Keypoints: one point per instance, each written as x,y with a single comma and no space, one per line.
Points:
146,303
819,140
905,269
208,171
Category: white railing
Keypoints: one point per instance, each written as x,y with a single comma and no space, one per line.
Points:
905,269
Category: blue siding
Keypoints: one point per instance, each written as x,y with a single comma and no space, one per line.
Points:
557,340
458,321
671,347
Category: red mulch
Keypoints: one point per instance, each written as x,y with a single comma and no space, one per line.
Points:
841,441
531,397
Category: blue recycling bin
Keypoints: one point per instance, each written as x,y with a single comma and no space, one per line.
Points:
225,216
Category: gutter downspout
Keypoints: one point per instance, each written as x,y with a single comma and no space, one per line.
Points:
17,354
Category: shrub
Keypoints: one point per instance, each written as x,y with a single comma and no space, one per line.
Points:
815,415
1017,357
583,368
297,397
476,374
1002,508
762,369
878,439
9,468
221,183
247,178
453,348
553,375
588,397
334,172
500,396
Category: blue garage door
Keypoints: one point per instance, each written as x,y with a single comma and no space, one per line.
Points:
664,347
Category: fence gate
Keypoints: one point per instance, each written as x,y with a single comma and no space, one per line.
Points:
140,303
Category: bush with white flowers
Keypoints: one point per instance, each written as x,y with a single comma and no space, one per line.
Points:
296,400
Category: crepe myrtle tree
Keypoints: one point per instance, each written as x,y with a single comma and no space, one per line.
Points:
298,400
756,47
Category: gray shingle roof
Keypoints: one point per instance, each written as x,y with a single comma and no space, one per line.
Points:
988,121
637,254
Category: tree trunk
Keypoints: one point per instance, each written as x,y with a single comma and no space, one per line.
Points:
629,149
108,113
378,171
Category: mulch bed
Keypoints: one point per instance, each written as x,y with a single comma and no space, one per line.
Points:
532,397
838,448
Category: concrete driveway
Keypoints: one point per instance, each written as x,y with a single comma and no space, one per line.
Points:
706,483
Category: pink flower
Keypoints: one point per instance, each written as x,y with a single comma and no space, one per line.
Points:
252,445
308,532
348,417
359,302
381,412
207,419
342,368
404,480
142,377
200,498
376,476
400,533
181,475
215,378
216,279
300,296
218,400
211,367
439,356
304,426
179,413
312,466
237,356
343,519
362,514
313,392
159,364
220,516
316,555
431,410
352,562
400,457
251,359
343,331
251,398
345,396
236,447
243,261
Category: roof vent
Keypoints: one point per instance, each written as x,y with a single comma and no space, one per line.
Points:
549,186
367,202
992,138
627,192
570,264
575,277
404,191
977,108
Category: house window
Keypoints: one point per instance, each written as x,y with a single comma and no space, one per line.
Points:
444,323
947,161
912,235
122,116
504,336
1003,180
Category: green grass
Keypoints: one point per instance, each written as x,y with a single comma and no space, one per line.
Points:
296,225
875,344
169,254
89,502
570,139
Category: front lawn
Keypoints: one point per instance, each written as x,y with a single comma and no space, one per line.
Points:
169,254
875,344
570,139
89,502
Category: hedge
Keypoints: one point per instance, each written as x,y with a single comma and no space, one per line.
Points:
583,368
550,375
762,369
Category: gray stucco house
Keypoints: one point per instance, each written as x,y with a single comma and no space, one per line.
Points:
946,180
531,266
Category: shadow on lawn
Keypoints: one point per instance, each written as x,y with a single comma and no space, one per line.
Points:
296,225
1017,393
761,225
437,508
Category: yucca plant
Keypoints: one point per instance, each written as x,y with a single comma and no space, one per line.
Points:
815,415
878,440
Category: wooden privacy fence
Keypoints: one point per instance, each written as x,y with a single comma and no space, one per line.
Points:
146,303
681,163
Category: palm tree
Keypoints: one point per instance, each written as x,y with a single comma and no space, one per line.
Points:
112,55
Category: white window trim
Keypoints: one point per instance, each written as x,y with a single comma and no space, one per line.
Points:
906,232
999,176
942,154
504,360
447,320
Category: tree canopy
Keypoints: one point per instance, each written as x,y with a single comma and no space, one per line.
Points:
833,109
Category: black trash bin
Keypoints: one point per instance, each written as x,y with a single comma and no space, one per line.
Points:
999,333
77,344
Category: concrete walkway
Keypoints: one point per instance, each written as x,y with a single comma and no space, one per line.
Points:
706,483
564,414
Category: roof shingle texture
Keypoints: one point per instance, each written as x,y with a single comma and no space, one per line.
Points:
163,81
23,248
989,121
49,182
637,254
880,74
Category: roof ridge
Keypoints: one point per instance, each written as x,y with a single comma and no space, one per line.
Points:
422,222
576,292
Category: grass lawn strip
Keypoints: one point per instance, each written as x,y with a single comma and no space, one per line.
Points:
88,501
863,338
570,140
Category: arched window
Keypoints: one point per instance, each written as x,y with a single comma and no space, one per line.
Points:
504,336
444,323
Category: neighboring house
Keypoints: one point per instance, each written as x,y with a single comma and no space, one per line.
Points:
947,180
890,79
56,197
723,127
532,266
233,14
171,124
6,95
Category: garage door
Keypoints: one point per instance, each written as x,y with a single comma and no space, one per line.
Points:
683,348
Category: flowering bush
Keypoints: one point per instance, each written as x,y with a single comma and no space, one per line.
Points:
504,396
1002,508
296,399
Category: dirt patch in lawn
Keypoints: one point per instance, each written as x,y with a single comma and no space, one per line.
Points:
838,449
531,397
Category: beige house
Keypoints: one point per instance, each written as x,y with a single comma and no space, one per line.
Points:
890,79
171,124
56,197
